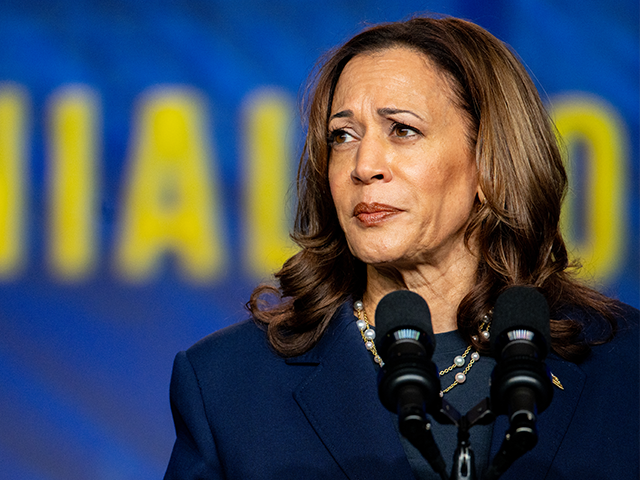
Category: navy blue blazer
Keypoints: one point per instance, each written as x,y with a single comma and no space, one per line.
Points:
241,411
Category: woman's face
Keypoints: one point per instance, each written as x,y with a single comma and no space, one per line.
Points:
402,176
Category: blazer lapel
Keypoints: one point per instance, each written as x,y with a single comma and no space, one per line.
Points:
340,400
552,424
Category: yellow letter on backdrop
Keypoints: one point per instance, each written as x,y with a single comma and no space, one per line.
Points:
587,121
267,164
170,193
13,177
72,135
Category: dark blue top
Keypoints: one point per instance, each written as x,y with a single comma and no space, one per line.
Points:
241,411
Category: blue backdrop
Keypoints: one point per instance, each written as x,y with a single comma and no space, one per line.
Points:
145,149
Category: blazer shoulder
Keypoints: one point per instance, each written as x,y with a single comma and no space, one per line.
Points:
628,318
245,339
627,334
596,329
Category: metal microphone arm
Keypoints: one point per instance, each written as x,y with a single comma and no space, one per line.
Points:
415,427
521,437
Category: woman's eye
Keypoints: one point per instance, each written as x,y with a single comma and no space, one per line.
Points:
338,137
400,130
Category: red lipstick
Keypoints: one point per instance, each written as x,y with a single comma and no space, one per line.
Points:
371,214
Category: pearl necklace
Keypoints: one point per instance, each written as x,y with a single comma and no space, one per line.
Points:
369,335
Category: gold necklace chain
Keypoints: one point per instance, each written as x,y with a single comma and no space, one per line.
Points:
369,335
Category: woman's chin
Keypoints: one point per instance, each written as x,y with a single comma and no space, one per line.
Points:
386,257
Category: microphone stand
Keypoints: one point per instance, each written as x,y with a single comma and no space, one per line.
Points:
464,467
417,429
420,436
521,437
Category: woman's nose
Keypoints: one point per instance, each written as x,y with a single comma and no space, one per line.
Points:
372,161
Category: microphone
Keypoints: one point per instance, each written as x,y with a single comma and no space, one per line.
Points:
408,383
521,385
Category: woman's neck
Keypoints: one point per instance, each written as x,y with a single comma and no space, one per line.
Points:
443,286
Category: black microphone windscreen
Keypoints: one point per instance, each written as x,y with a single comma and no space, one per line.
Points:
520,307
403,309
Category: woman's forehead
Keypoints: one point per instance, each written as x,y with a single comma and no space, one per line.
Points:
396,77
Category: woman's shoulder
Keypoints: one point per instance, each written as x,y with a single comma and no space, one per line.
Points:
627,329
231,334
628,320
241,342
625,319
245,345
625,343
627,312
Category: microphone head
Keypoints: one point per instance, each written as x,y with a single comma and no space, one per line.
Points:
519,308
403,309
408,383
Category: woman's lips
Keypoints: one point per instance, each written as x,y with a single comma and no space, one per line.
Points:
370,214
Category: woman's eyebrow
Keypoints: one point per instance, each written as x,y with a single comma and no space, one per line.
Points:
383,112
342,114
392,111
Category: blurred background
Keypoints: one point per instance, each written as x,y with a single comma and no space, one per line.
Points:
146,154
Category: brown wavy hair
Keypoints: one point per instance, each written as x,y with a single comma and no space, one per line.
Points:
520,173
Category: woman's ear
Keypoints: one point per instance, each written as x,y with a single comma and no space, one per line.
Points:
482,199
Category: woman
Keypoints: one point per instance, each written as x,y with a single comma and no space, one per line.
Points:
430,165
